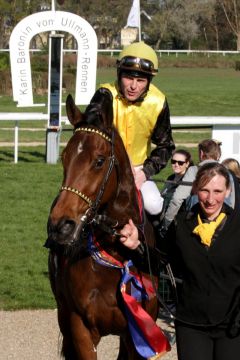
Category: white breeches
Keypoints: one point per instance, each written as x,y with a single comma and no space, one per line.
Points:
152,199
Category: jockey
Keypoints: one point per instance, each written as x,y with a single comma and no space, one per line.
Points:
142,117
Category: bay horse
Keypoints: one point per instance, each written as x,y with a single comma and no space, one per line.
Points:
86,260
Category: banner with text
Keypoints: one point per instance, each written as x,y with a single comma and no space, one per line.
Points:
48,21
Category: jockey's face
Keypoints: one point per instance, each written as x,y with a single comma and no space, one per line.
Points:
133,87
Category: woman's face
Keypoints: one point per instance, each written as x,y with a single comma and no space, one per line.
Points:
179,164
211,196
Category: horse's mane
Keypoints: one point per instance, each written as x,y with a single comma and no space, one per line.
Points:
98,113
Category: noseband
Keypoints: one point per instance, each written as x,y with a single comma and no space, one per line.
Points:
93,205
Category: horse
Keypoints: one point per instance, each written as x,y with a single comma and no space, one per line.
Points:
86,260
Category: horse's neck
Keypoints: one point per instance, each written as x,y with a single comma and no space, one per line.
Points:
126,204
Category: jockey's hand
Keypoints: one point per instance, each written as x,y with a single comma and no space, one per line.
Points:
129,236
140,178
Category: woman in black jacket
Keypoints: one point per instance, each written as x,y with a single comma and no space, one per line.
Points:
204,245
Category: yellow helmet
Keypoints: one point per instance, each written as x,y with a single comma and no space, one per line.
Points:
138,57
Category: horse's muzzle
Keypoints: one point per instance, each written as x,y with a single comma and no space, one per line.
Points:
64,232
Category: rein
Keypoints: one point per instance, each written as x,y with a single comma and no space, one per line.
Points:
91,212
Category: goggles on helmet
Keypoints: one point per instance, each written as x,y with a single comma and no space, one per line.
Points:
131,62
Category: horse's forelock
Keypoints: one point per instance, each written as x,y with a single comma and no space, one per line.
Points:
93,115
100,110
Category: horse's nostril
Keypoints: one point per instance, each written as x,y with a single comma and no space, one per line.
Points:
66,227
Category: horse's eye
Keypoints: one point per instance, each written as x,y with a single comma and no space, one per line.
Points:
99,162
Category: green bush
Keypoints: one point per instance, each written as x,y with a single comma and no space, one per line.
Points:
69,80
237,66
5,83
106,61
39,62
4,61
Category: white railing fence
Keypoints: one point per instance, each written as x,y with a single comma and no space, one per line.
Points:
224,128
113,52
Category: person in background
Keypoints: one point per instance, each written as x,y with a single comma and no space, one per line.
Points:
141,116
203,244
209,150
181,160
234,166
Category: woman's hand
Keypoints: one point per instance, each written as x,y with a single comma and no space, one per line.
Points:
129,236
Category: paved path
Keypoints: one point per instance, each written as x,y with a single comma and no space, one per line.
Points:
34,335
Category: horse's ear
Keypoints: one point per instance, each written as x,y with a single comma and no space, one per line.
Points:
107,107
73,113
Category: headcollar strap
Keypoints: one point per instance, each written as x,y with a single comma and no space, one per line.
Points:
95,131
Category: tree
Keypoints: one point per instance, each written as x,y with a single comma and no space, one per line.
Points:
209,24
231,9
14,11
106,17
159,28
5,23
184,22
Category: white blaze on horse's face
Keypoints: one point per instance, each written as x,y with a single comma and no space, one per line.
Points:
80,148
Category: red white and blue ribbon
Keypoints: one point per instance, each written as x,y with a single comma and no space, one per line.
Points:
148,338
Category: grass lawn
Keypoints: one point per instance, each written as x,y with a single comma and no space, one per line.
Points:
190,91
199,92
26,193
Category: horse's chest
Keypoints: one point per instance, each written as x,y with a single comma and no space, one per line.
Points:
91,283
93,289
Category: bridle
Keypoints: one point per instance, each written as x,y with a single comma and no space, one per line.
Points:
93,205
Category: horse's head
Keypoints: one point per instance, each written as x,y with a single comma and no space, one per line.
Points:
97,172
